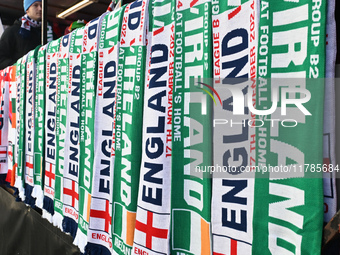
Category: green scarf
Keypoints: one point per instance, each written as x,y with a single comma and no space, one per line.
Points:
62,94
99,233
154,197
21,82
288,208
191,130
39,130
29,126
50,127
128,129
87,109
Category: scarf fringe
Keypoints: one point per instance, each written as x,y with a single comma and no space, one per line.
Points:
39,195
16,195
58,220
46,215
80,241
21,191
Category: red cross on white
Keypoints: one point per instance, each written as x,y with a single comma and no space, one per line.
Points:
105,215
29,165
73,192
50,174
151,231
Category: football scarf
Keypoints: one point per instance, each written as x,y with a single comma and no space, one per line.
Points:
50,127
18,183
20,134
329,159
191,130
4,110
39,128
62,94
129,119
3,83
99,233
153,213
88,86
29,126
288,197
11,124
235,48
72,139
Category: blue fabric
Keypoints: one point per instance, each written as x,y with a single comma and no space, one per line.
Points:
70,226
96,249
28,3
48,205
28,196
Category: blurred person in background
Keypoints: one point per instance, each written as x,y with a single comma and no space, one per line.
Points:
24,35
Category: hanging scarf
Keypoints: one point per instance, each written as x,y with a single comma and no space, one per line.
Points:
11,125
99,230
29,126
191,126
20,134
128,129
4,96
18,183
72,139
288,204
26,24
88,86
39,128
152,230
62,94
50,127
235,43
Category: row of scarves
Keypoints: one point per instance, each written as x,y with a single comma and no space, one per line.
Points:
106,124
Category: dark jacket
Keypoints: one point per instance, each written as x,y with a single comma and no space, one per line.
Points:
13,46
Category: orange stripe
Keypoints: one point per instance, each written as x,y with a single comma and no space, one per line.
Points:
233,247
205,237
130,227
88,207
12,73
13,174
14,120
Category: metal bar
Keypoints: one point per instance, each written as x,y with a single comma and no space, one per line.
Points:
44,23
